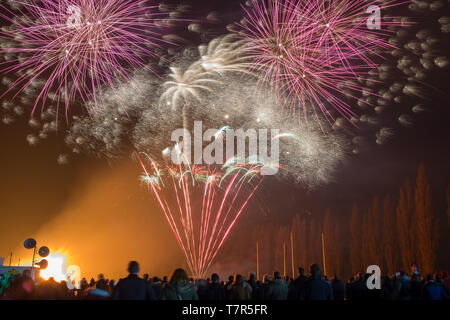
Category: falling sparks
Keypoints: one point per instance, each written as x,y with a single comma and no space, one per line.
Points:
201,204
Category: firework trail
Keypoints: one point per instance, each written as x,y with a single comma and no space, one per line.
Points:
311,51
77,46
201,203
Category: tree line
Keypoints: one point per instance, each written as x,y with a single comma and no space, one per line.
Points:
393,233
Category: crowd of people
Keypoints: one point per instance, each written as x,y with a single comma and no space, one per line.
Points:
314,286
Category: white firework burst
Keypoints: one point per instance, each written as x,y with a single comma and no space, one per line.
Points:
186,86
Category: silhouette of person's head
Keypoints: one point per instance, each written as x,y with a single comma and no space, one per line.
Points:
215,278
133,268
177,276
146,276
314,269
276,275
301,271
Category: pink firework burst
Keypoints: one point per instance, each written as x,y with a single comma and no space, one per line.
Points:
76,46
313,52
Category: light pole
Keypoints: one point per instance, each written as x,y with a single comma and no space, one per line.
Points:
30,243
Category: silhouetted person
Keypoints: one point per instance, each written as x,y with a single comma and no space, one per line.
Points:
292,291
100,291
133,287
84,284
111,286
49,290
252,282
405,286
299,282
216,291
433,290
262,294
23,287
240,289
387,288
277,289
316,288
229,287
416,287
202,289
157,286
179,287
338,289
82,292
101,283
446,280
356,289
65,293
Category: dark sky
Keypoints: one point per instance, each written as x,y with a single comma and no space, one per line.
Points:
35,190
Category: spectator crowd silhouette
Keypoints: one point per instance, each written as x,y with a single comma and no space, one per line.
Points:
314,286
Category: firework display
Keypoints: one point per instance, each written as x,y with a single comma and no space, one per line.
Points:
333,77
309,51
201,204
78,47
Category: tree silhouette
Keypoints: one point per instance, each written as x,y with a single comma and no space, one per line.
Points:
423,224
355,243
329,242
404,231
374,233
388,236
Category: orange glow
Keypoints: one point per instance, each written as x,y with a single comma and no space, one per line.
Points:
108,221
56,267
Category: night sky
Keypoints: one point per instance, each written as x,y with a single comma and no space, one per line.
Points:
35,191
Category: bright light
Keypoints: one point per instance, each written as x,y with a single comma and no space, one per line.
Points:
56,267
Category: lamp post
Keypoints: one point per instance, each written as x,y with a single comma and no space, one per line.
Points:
31,243
323,254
